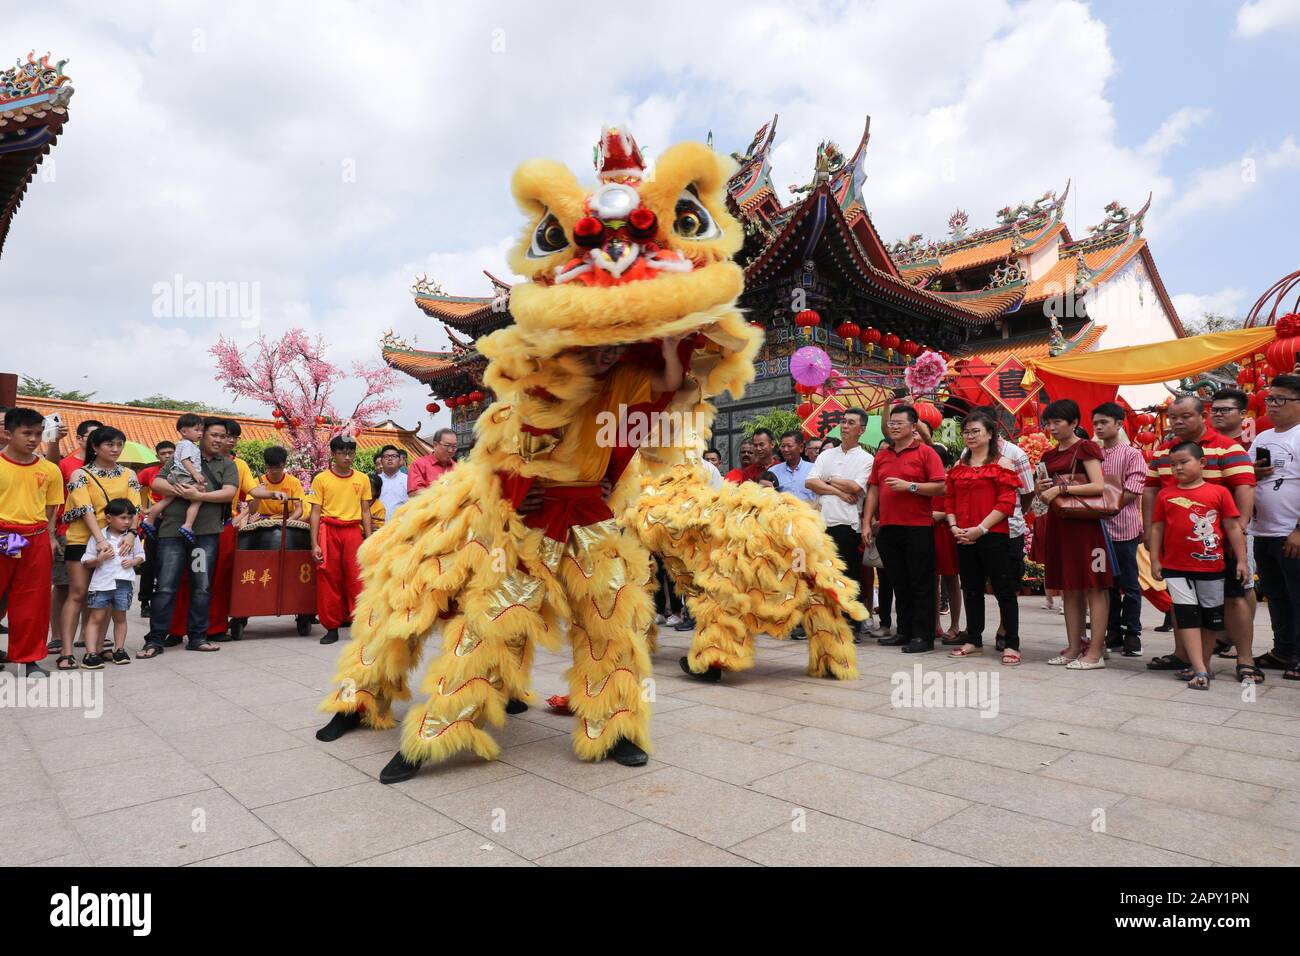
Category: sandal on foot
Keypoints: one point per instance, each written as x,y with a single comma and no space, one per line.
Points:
207,647
1249,673
148,651
1271,661
187,534
1187,674
1011,657
1291,673
66,662
968,650
1200,681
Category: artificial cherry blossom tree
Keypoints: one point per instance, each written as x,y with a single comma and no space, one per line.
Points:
291,375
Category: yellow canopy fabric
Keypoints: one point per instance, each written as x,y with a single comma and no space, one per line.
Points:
1157,362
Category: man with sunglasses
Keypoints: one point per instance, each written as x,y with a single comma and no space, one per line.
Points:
1275,526
425,471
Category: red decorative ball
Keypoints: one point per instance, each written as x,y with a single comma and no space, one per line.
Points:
431,407
320,420
872,335
642,223
588,232
276,413
1288,326
808,318
279,425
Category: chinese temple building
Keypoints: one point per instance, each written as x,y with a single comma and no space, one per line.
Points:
1023,287
33,110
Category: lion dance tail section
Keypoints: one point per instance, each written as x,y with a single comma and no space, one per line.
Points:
750,560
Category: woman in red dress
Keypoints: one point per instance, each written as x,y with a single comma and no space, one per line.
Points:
946,569
1079,560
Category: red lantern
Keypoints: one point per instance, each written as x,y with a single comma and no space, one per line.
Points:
804,410
276,413
320,420
806,320
279,425
431,407
1247,376
805,389
1256,401
848,331
1281,352
1145,438
872,336
476,396
928,413
910,348
890,341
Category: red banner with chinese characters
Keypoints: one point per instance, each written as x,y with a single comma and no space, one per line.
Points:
826,416
1006,384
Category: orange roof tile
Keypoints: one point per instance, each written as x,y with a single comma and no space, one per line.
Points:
148,426
1032,346
979,255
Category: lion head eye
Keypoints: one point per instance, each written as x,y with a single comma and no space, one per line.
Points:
691,220
548,238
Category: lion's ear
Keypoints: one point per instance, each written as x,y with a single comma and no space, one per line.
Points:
688,173
546,192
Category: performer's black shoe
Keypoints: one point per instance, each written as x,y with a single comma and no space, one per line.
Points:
398,769
685,624
918,646
331,636
799,634
515,706
898,640
711,676
339,725
629,754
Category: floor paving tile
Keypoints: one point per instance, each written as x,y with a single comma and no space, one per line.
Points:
264,779
830,841
643,844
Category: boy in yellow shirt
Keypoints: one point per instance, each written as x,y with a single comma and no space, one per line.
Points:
340,499
277,487
31,490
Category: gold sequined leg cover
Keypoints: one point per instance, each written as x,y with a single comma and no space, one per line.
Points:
606,575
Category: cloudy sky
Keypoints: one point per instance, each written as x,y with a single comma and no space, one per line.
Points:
323,155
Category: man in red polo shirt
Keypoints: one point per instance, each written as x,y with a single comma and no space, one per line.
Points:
906,475
428,469
764,443
1226,464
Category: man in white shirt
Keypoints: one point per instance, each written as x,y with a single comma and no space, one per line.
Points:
792,470
1275,528
839,479
394,492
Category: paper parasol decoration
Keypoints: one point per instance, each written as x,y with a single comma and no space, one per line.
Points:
810,365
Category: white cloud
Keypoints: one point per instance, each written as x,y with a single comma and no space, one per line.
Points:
1261,16
1225,185
1173,131
1228,301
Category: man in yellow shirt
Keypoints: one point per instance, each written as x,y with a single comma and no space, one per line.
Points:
277,487
31,490
340,498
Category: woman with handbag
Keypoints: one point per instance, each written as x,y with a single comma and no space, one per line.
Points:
1079,560
981,496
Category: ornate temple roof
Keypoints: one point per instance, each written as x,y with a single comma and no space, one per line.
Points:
1035,345
33,110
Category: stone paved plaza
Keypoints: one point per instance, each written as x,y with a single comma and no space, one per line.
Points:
210,759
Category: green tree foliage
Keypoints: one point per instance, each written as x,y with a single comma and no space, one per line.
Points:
250,450
177,405
39,388
777,421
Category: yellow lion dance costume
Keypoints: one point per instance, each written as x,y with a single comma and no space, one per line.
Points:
636,262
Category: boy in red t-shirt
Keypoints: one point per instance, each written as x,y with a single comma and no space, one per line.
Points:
1188,525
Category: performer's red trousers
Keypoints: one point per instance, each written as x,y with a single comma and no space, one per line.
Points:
338,579
222,582
25,581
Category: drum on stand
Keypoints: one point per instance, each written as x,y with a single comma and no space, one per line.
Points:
264,535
